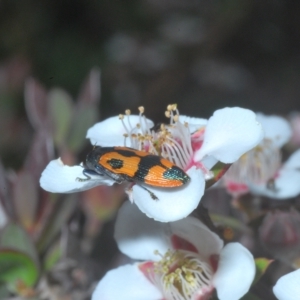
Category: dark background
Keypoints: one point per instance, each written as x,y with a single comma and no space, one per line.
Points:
202,55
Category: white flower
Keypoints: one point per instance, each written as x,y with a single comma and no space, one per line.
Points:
285,183
110,132
260,170
60,178
193,144
181,260
287,287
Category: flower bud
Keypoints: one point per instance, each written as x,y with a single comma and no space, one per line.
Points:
280,234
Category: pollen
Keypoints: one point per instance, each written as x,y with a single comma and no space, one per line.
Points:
180,274
257,166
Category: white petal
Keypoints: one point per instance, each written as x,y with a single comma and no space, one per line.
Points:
110,132
193,123
172,204
235,273
229,133
294,161
60,178
286,185
275,128
208,162
287,286
194,231
126,283
138,236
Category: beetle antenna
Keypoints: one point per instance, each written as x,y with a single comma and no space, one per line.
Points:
94,146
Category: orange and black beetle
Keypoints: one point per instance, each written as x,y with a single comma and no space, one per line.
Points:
127,164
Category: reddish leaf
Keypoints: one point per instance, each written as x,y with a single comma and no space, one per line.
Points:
25,199
36,103
91,89
40,153
5,192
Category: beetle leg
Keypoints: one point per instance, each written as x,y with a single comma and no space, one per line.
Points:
85,172
116,177
152,195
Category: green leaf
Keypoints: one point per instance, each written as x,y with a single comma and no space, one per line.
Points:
52,257
84,119
218,170
16,266
60,109
14,237
63,212
230,222
261,265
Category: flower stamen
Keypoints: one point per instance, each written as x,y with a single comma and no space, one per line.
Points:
172,141
257,166
180,274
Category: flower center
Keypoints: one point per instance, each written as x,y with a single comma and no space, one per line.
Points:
181,274
171,141
257,166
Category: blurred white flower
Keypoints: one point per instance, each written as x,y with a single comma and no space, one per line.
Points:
287,287
285,183
260,170
181,260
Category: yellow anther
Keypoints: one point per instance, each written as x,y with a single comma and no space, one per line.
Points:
121,117
167,114
169,107
178,271
176,118
181,274
174,106
127,112
189,277
141,109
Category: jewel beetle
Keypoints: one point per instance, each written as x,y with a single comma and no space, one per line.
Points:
127,164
